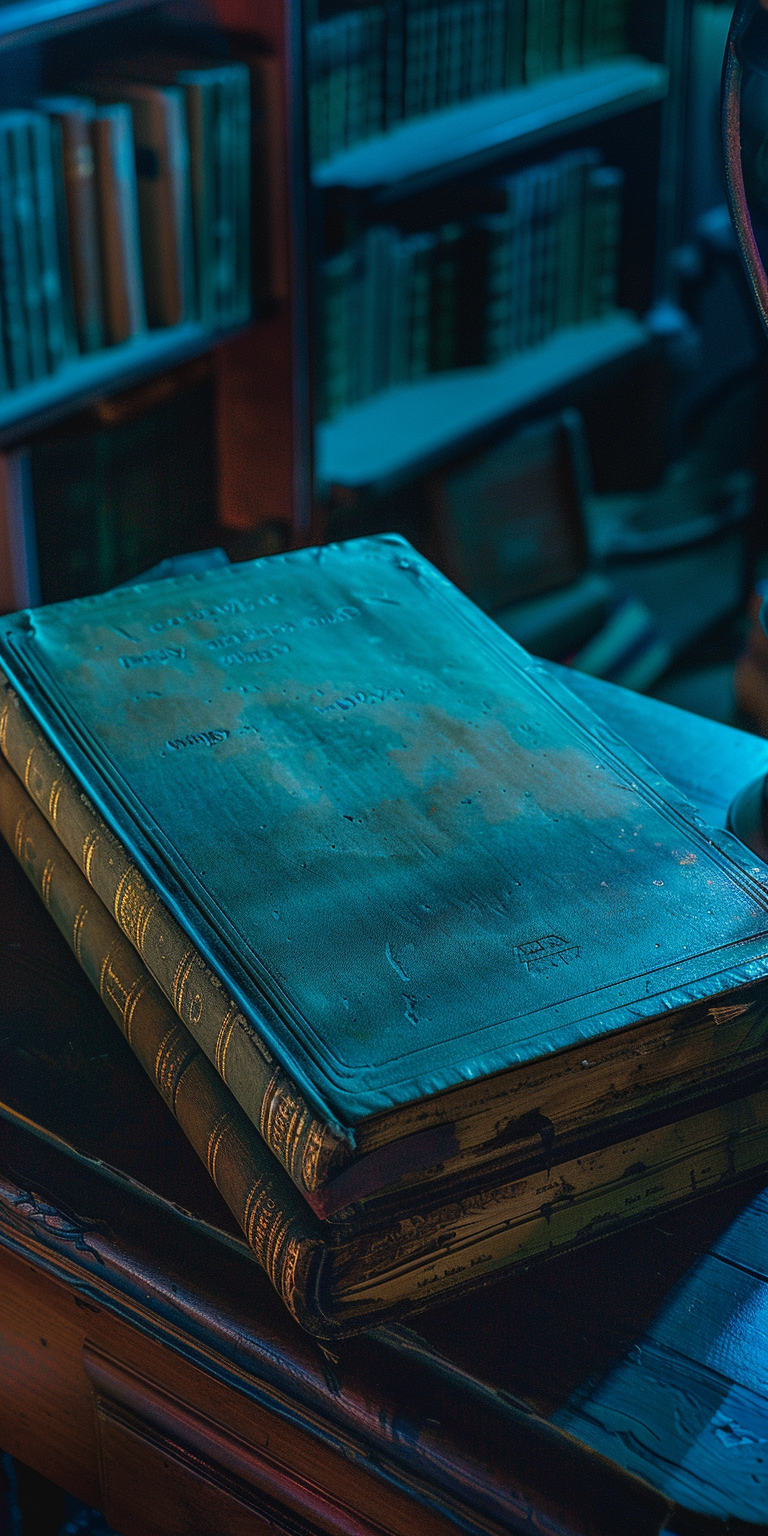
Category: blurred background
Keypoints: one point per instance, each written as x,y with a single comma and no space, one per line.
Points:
274,273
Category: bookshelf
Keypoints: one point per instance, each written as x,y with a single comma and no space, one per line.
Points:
87,378
37,20
474,133
47,47
407,190
406,430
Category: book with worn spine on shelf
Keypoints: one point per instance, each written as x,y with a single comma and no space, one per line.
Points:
474,981
124,306
73,116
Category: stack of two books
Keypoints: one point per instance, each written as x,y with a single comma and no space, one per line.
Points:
434,972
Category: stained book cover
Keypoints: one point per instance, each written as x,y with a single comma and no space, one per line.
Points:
410,857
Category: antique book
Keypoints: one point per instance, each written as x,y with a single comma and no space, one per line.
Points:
124,305
74,118
164,195
426,915
371,1263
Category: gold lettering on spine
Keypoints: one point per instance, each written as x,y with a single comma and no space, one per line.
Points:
293,1137
132,909
18,842
4,729
266,1107
136,995
89,849
111,987
214,1143
33,778
222,1045
181,978
311,1156
275,1242
45,882
287,1285
77,931
167,1059
261,1219
53,801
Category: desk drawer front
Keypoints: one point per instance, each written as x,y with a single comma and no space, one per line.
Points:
166,1469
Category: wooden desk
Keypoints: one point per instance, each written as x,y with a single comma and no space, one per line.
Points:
146,1365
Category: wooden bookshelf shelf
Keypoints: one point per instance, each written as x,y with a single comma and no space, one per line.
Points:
479,131
88,378
406,429
33,20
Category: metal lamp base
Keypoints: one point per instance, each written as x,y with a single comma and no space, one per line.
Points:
748,816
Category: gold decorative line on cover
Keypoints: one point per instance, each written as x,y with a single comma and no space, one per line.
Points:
45,881
288,1272
77,931
4,728
264,1225
110,983
275,1241
89,848
311,1157
135,997
53,800
293,1136
214,1142
266,1106
133,909
222,1044
19,838
181,977
167,1059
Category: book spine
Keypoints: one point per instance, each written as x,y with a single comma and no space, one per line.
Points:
495,79
590,31
515,47
27,232
570,43
308,1150
62,237
221,158
445,298
284,1238
240,93
534,40
612,28
14,325
210,231
80,191
602,240
50,274
551,39
394,28
375,73
118,210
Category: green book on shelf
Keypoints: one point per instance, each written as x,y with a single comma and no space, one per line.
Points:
18,127
472,971
515,44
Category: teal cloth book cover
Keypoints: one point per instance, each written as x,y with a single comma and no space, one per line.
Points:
412,857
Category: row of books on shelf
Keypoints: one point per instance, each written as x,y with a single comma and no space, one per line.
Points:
124,208
397,307
371,68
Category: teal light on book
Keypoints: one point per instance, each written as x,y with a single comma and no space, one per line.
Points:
745,141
